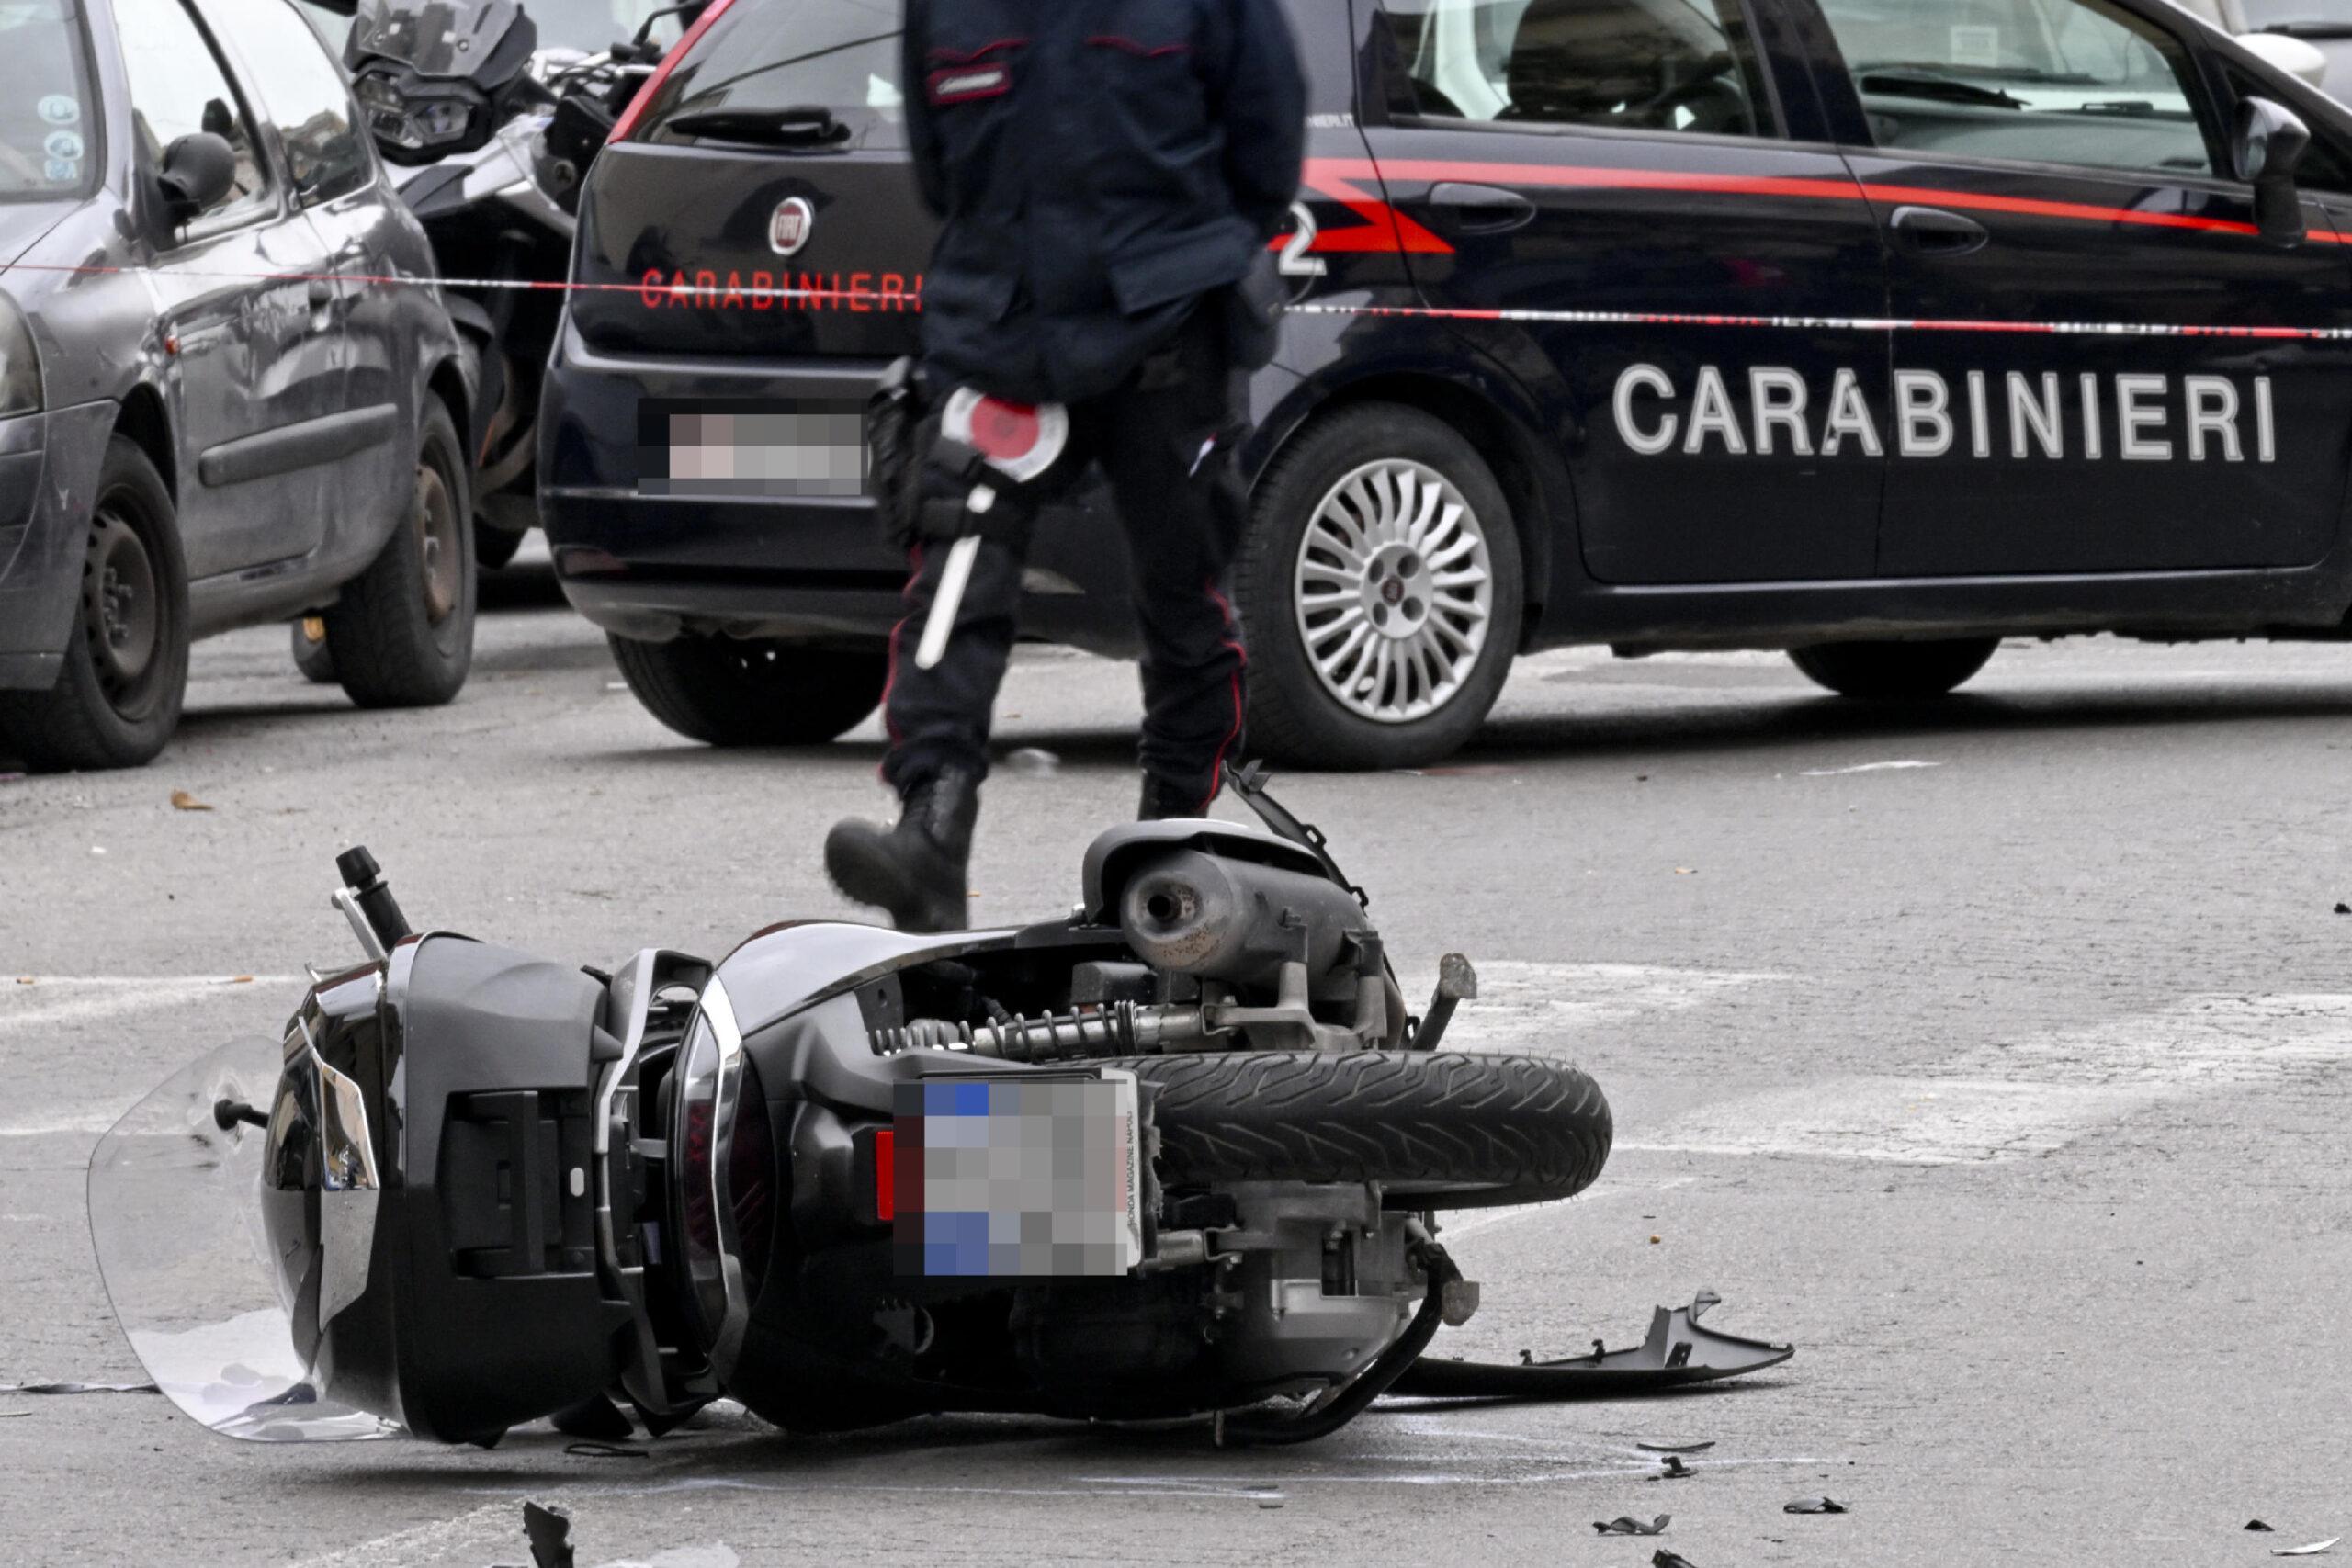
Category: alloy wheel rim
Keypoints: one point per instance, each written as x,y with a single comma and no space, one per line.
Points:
1394,590
437,530
122,609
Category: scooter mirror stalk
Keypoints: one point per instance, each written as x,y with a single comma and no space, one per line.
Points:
365,900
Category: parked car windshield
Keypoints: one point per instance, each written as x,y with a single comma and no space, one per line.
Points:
48,117
2299,15
2074,56
841,55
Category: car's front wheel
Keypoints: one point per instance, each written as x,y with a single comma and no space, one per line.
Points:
726,691
1895,671
403,631
117,699
1380,593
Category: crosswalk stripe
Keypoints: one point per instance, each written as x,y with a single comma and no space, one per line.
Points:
2016,1101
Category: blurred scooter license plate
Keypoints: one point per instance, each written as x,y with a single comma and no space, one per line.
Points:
795,449
1026,1176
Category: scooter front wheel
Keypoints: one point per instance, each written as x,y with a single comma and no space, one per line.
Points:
1437,1129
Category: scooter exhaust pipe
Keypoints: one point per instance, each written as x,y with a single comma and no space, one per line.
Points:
1227,920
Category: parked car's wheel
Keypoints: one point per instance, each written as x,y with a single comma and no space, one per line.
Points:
493,547
311,654
1380,593
1895,671
117,699
728,691
404,630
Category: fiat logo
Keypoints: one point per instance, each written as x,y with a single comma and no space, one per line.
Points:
789,226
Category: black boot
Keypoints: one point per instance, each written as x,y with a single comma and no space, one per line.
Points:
1162,799
915,870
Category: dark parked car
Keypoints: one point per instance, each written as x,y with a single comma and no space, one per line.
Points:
1871,330
229,391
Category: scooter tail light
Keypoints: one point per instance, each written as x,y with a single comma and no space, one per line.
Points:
885,1176
632,117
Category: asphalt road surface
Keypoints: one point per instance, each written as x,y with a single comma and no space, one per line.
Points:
1995,1054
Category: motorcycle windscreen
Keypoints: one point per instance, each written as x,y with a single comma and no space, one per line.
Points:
175,1215
434,38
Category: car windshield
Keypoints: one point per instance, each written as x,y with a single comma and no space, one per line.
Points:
2299,15
2062,57
589,26
48,117
759,60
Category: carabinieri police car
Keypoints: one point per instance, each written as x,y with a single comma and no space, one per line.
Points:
1871,330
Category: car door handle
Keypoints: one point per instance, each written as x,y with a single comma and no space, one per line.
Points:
1481,210
1932,232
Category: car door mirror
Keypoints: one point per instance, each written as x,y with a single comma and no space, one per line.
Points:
199,170
2269,144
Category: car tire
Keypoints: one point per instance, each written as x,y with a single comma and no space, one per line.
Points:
726,691
312,658
493,548
403,631
1895,671
116,700
1337,538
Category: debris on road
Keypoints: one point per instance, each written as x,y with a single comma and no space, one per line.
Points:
592,1449
1675,1448
550,1533
1814,1506
78,1388
183,801
1675,1469
2314,1550
1677,1351
1033,761
1665,1559
2257,1523
2344,909
1621,1524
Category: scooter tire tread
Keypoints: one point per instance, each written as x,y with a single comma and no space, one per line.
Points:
1440,1129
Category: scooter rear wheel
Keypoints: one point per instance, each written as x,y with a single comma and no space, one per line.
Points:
1440,1130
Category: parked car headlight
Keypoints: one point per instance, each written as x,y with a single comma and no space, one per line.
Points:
19,363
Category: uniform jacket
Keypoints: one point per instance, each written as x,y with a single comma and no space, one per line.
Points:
1100,164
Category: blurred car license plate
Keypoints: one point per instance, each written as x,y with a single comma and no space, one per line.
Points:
1018,1177
786,449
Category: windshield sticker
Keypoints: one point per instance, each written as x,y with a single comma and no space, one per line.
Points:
61,172
61,108
2142,418
1977,46
63,144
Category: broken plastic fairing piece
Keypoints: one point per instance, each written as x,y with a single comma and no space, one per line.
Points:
1678,1352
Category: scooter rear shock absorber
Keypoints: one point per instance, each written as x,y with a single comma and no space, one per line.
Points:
1126,1029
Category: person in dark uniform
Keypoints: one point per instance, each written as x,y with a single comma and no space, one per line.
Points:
1110,173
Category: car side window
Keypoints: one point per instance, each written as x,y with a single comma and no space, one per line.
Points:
178,87
2044,81
1671,65
305,94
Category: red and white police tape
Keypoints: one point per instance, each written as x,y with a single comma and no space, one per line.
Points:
853,298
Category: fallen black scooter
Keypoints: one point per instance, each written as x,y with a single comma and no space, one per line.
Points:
1181,1154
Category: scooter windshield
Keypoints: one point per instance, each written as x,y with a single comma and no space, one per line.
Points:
435,38
176,1213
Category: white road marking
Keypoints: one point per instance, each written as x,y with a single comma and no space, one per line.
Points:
52,1001
32,1004
1906,766
458,1539
1537,1007
1475,1222
2016,1101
